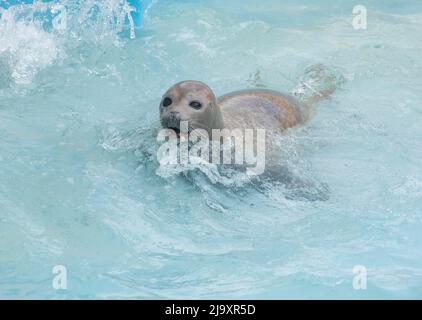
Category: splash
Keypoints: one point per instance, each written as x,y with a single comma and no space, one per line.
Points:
36,34
25,48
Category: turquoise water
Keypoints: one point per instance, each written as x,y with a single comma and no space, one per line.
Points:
80,187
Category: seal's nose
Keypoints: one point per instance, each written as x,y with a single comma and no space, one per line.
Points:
174,115
171,119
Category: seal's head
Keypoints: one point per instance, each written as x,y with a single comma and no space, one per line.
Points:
191,101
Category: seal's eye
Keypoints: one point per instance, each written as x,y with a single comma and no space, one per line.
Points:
196,105
166,102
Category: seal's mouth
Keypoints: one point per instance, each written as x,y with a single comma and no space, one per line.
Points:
171,121
172,125
175,129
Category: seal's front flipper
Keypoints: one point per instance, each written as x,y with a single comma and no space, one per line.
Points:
296,186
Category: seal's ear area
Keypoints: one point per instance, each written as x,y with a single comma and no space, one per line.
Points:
210,96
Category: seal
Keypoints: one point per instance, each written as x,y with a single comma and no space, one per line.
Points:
195,102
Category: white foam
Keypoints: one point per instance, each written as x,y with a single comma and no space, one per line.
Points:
24,44
28,49
30,40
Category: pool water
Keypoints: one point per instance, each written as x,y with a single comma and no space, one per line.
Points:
80,187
